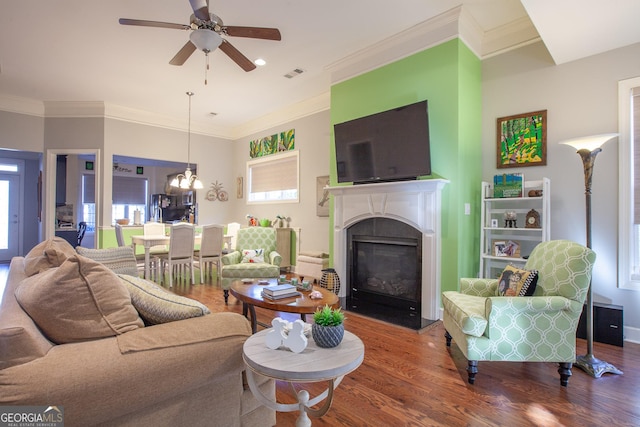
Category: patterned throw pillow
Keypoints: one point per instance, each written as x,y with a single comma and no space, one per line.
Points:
252,255
120,260
515,281
157,305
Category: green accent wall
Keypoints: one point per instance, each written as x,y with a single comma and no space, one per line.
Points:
449,77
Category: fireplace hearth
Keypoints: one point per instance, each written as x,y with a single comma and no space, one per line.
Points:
384,261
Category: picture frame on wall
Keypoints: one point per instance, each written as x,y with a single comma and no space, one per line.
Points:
239,187
521,140
322,196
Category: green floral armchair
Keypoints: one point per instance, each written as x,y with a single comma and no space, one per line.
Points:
538,328
255,257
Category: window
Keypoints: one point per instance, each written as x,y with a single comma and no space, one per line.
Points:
128,194
89,202
629,183
273,178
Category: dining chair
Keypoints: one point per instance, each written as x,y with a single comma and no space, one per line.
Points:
232,234
180,255
119,235
82,228
210,250
156,253
121,243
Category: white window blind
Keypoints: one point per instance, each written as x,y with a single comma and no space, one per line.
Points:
273,178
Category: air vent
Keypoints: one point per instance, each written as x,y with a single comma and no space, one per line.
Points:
294,73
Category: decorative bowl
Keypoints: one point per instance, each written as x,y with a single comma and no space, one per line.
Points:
123,221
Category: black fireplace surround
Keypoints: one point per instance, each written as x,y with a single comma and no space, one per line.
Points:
384,267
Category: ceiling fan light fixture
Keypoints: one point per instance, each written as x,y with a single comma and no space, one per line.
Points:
205,40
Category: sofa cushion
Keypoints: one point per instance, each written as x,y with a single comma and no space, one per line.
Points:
47,254
314,254
80,300
516,281
18,347
468,311
120,260
252,255
157,305
244,270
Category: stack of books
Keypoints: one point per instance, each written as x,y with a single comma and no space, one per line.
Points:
275,292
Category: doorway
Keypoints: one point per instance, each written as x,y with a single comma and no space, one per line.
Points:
9,215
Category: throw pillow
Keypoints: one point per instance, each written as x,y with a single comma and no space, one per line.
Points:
120,260
157,305
79,301
252,255
515,281
47,254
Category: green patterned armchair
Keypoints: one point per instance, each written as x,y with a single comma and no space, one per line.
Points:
255,257
538,328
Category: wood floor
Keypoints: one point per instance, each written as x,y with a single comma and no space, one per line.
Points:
413,379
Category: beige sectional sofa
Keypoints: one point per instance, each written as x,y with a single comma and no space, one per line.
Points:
180,372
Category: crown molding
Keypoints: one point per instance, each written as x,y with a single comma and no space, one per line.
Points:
285,115
74,109
424,35
15,104
454,23
505,38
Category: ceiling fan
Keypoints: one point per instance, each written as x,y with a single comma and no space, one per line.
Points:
207,31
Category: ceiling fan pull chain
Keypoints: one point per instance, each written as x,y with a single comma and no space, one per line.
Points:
206,70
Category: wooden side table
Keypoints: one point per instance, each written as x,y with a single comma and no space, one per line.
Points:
314,364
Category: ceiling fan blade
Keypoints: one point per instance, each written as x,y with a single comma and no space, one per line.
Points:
200,9
253,32
143,23
236,56
183,54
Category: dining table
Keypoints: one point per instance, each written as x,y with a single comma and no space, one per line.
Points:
150,240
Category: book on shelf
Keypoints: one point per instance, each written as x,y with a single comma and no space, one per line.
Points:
280,296
283,288
508,185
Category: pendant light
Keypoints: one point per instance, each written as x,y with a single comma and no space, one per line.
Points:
187,180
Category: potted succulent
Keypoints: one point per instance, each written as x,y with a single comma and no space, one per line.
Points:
328,327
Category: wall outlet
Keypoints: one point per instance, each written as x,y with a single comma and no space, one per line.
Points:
467,208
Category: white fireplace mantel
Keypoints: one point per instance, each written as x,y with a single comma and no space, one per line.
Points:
416,203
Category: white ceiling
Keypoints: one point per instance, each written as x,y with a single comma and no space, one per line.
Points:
73,50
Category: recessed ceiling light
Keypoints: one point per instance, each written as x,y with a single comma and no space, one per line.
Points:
260,62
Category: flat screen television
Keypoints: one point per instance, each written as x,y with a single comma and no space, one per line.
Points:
389,146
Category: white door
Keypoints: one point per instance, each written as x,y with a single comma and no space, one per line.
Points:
9,216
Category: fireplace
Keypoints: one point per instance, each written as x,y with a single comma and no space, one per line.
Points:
384,261
397,223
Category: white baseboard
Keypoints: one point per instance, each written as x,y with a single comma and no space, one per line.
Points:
632,334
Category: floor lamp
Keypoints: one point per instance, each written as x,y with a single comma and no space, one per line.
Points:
588,148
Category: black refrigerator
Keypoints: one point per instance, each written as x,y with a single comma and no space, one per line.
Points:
168,208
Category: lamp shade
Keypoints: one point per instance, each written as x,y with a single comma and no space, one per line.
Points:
589,142
205,40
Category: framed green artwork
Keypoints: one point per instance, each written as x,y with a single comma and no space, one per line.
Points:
522,140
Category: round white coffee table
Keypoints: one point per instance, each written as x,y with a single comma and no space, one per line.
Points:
313,364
